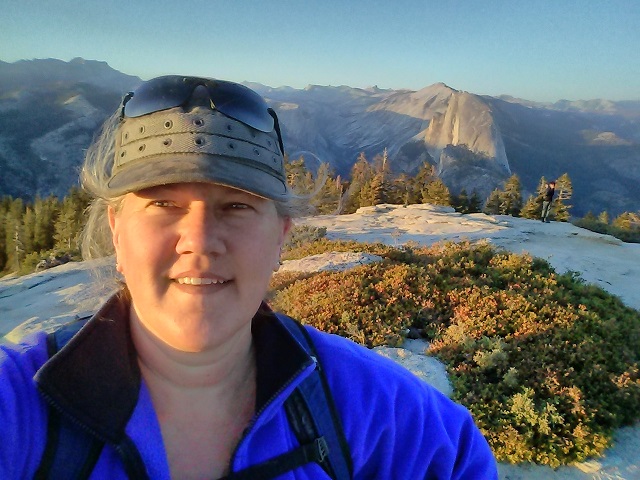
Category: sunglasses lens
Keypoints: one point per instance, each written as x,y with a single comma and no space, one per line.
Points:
231,99
242,103
158,94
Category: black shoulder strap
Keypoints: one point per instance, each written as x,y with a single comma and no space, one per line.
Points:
313,414
313,417
69,452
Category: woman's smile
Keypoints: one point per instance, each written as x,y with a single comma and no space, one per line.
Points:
199,281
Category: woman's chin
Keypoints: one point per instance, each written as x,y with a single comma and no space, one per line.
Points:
198,336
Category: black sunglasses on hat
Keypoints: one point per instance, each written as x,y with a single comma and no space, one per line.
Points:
231,99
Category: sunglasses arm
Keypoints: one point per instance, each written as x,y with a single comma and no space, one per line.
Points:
125,99
276,125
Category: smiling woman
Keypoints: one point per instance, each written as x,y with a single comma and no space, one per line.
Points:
186,372
189,249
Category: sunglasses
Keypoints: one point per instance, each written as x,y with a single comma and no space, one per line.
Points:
231,99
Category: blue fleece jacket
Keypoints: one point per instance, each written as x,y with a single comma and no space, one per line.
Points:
397,426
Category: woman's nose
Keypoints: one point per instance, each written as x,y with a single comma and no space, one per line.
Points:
200,232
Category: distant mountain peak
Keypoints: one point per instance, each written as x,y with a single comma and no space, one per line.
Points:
46,72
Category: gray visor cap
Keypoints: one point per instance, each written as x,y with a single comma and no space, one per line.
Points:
202,145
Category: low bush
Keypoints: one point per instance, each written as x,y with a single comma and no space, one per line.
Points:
301,235
628,235
548,365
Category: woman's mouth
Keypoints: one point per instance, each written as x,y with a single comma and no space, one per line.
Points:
199,281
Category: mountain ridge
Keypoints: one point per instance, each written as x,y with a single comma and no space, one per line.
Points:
50,109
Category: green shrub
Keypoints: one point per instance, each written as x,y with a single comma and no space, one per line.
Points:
305,249
33,259
302,235
548,365
629,234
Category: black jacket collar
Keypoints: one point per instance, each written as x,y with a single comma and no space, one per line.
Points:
95,379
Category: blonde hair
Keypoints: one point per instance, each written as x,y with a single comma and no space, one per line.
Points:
94,176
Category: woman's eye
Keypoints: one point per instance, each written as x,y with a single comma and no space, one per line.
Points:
161,203
238,206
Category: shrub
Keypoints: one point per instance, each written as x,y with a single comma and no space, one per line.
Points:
629,233
302,235
548,365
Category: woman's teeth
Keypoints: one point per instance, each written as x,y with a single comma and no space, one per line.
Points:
198,281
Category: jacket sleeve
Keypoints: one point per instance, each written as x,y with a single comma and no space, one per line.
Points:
398,426
23,417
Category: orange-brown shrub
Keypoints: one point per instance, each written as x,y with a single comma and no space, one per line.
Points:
548,366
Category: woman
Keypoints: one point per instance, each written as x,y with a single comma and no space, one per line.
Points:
185,372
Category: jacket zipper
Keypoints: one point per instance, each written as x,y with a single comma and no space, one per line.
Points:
271,400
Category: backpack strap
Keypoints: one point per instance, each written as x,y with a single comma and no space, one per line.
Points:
314,420
70,452
312,412
274,467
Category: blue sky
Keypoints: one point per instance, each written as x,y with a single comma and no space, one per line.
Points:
542,50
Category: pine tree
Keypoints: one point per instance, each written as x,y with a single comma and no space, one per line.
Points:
437,193
627,221
381,180
328,198
460,202
66,228
299,177
13,235
4,208
511,197
564,191
361,174
531,208
379,189
402,190
475,205
381,163
362,171
28,229
408,189
426,174
492,205
351,198
70,221
370,192
46,210
604,217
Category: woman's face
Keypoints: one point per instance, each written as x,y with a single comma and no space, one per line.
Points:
197,259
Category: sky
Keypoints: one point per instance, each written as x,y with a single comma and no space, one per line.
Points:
541,50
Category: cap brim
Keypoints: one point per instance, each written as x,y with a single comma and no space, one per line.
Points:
192,167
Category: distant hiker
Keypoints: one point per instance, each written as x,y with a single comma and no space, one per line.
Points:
547,200
185,372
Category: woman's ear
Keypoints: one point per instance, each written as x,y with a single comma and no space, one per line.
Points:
288,223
